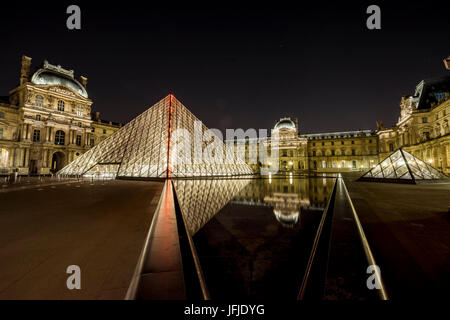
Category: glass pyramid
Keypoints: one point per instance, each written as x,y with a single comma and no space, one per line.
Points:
144,148
403,167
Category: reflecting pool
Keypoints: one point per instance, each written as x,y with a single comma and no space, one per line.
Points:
253,237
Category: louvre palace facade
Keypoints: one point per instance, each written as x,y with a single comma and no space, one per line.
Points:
46,123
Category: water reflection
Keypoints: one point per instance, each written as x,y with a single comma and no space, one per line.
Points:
201,200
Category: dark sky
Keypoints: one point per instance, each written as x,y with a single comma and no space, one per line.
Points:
235,66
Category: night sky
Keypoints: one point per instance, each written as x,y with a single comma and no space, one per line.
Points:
234,66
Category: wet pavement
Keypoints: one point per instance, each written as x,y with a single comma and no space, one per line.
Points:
99,226
407,227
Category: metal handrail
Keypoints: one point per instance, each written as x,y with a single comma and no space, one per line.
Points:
368,252
312,256
134,284
198,267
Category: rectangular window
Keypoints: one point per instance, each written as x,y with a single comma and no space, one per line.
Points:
37,136
353,142
424,120
80,111
353,152
342,142
354,164
93,130
38,117
324,164
2,115
1,133
92,142
332,152
391,147
332,143
314,153
104,131
78,141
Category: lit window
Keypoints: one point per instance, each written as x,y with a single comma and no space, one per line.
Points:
36,135
60,137
324,164
39,101
78,141
60,105
80,111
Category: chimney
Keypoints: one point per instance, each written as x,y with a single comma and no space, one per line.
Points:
25,70
83,81
447,63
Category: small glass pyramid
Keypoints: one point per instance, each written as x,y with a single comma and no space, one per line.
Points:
402,166
143,148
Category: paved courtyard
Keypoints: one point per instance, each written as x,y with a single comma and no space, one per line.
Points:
408,229
99,226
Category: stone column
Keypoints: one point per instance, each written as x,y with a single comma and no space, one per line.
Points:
27,157
29,129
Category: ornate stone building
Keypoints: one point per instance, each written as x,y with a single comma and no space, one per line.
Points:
423,126
46,122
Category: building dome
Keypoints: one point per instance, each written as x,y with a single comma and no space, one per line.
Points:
51,75
285,123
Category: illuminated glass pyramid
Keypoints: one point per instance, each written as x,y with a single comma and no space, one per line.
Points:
402,166
144,148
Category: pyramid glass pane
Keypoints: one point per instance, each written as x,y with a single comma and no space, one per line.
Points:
151,146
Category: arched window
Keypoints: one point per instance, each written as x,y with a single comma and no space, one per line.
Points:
60,137
60,105
39,101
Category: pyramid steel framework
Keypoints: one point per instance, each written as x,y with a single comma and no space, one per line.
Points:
402,166
143,149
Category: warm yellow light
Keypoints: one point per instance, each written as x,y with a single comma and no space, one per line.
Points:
430,160
291,163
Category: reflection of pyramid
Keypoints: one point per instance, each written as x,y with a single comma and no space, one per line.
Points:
402,166
201,200
141,148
